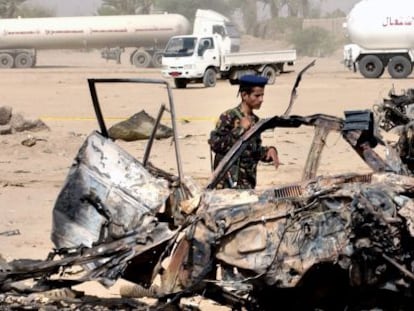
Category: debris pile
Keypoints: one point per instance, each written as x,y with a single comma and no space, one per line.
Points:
396,114
343,242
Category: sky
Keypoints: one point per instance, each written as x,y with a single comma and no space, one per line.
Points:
88,7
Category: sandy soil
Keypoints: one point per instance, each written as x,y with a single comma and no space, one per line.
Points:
57,92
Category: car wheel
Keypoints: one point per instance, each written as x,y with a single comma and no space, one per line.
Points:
210,78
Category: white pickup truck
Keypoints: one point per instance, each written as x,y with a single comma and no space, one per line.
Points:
204,59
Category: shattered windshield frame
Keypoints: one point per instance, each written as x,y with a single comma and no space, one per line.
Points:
171,109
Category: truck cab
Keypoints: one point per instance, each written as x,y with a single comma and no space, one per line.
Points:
192,58
208,22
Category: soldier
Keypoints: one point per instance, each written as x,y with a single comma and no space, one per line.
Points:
232,124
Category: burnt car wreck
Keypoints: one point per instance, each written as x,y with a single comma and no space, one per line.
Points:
343,242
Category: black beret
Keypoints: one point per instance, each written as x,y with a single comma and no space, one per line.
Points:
251,80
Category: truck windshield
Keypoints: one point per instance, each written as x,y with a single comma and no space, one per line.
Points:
180,47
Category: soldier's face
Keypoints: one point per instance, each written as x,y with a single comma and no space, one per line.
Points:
255,99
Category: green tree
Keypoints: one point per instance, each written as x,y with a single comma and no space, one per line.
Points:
35,11
125,7
249,12
314,41
296,8
188,8
10,8
336,13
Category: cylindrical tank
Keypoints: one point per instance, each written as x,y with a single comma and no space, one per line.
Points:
91,31
382,24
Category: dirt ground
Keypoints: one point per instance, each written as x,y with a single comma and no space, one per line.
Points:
57,93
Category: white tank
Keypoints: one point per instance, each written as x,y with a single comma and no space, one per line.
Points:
91,31
382,24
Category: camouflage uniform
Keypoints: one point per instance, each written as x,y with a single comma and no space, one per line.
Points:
242,175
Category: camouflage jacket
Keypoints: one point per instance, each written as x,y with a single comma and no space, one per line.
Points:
242,175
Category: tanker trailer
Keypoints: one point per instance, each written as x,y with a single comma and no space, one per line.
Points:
20,38
382,36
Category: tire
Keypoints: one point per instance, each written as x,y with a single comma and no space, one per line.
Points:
210,78
399,67
180,83
270,73
23,60
141,59
157,59
280,67
371,67
6,60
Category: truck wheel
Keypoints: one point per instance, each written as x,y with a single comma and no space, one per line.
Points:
157,59
141,59
180,83
6,60
399,67
270,73
370,66
210,78
23,60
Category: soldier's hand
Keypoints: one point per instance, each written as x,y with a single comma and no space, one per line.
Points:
272,155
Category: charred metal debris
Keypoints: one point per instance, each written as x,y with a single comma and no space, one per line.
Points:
343,242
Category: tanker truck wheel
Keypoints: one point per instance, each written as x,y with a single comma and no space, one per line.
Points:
270,73
141,59
157,59
399,67
23,60
6,60
370,66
